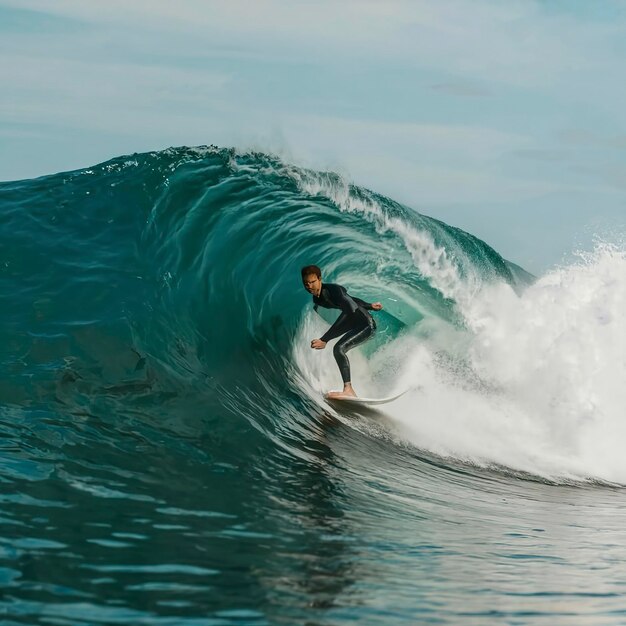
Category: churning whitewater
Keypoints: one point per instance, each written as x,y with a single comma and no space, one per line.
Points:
528,375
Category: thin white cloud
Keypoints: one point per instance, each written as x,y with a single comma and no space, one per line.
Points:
516,42
459,141
104,95
462,89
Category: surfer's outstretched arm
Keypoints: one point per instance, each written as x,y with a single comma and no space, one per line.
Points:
338,328
370,306
350,304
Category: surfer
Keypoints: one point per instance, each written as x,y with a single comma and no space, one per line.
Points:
355,324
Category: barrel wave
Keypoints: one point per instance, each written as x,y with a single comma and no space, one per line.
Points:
166,443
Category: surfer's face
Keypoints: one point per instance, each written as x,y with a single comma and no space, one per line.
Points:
312,284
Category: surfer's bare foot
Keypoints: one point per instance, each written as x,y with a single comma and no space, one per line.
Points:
347,392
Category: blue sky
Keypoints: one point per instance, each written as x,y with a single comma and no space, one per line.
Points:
506,119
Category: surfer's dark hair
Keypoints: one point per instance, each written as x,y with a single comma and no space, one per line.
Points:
307,270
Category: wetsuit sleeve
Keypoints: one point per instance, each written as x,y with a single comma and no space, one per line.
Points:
336,329
365,305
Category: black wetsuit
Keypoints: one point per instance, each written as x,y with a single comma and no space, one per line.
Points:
355,323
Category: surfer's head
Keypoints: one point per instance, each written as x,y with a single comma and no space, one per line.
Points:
312,279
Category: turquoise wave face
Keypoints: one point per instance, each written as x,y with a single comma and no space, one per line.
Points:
179,270
166,453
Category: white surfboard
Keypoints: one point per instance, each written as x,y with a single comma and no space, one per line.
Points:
360,401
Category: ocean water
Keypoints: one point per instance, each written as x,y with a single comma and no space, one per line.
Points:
166,453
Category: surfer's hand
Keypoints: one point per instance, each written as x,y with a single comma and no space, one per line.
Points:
377,306
318,344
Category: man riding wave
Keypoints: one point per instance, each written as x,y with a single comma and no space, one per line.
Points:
354,325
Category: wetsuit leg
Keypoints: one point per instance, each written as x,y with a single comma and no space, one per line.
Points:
350,340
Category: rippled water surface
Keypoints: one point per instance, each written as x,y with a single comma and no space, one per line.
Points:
167,457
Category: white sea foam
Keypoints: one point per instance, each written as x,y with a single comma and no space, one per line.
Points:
545,385
536,382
